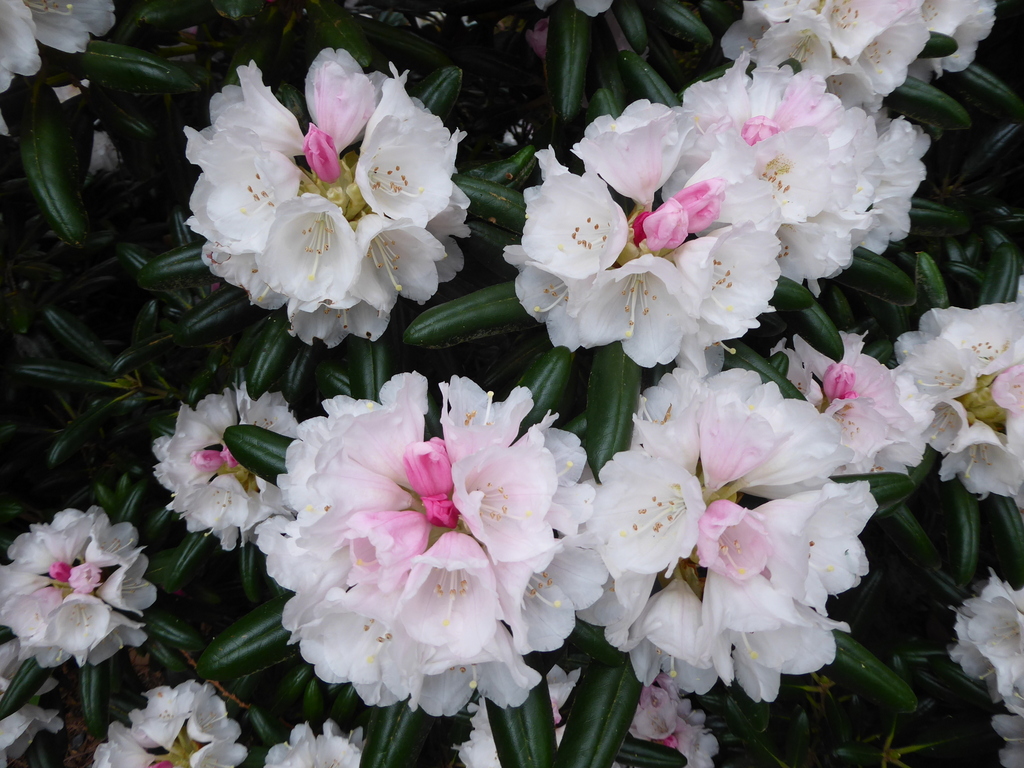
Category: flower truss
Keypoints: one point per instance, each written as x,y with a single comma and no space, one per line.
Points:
427,568
18,729
209,488
664,716
864,47
882,418
68,585
336,222
724,502
990,647
59,24
596,274
182,727
822,167
304,749
968,365
481,751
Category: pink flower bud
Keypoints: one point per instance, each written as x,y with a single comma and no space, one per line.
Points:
758,129
230,460
441,511
692,209
321,154
428,468
839,381
60,572
168,763
537,38
85,578
207,461
667,227
702,202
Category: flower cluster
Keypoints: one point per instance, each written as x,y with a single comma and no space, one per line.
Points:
990,647
724,503
182,727
210,489
968,367
304,749
882,418
666,717
427,568
308,219
866,48
18,729
595,274
65,26
70,581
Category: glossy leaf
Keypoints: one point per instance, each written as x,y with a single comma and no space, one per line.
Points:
254,642
612,396
257,449
486,312
860,671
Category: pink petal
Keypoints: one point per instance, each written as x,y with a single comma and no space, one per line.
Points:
207,461
702,202
839,382
85,578
321,154
428,468
537,38
60,571
667,227
758,129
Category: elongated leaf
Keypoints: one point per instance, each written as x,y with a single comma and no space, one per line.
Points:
612,395
938,46
439,90
1001,275
525,735
179,268
921,101
51,165
94,688
291,687
172,630
124,68
486,312
679,21
790,295
222,313
818,330
59,374
75,336
643,82
963,530
257,449
332,379
1007,524
403,46
371,364
144,351
888,488
930,283
981,88
345,705
333,27
511,172
631,22
238,9
254,642
251,567
269,729
273,353
547,379
23,686
908,534
395,736
879,277
605,703
83,428
568,52
857,669
932,219
494,202
190,554
638,753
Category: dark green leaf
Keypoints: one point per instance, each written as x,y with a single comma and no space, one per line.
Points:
525,735
395,736
486,312
926,103
130,69
568,52
257,449
439,90
612,396
254,642
223,313
860,671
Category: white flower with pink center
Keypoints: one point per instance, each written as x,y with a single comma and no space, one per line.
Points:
683,268
69,585
882,417
209,488
436,562
966,367
182,727
368,214
724,499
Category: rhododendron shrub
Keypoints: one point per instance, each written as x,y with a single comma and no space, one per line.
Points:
572,384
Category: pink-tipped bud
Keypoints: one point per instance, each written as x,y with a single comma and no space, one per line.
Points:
230,460
60,572
693,209
839,381
440,510
758,129
321,154
666,227
168,763
639,232
537,38
207,461
428,468
702,202
85,578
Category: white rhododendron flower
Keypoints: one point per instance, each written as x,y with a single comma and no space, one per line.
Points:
18,729
966,21
368,217
665,279
58,24
210,489
182,727
426,569
969,365
1011,728
743,587
664,716
304,749
882,417
866,44
480,750
69,583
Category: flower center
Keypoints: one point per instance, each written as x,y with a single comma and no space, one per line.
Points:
661,231
981,404
221,462
430,476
